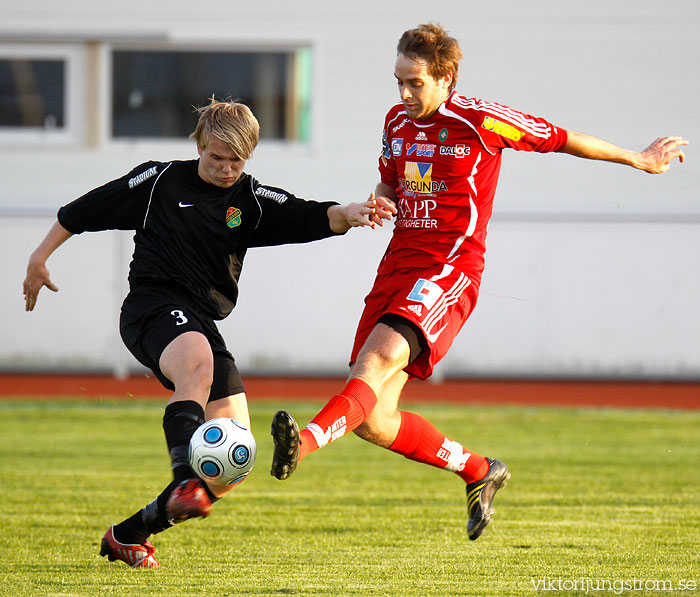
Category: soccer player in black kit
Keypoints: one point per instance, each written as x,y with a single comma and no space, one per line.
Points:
194,221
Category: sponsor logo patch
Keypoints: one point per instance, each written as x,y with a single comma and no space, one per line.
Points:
416,213
417,309
502,128
270,194
422,150
418,177
385,147
398,126
233,217
458,151
139,178
396,147
425,292
421,136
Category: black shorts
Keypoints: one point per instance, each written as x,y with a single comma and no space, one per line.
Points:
150,321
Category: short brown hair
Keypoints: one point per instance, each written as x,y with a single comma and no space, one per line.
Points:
431,43
230,122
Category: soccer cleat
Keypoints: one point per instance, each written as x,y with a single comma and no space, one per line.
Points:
188,500
136,555
480,495
285,435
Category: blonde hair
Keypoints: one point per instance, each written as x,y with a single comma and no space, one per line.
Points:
230,122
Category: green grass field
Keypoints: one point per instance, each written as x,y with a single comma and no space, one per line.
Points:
596,496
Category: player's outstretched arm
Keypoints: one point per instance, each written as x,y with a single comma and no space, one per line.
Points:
37,272
655,159
370,213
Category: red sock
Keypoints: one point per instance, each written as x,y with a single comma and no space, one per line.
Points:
342,414
419,440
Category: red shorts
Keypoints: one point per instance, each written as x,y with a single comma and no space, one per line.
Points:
438,300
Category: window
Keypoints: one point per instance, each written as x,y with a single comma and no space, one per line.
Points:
39,93
154,92
87,92
32,93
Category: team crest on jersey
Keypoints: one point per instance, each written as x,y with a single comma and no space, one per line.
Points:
418,178
443,135
233,217
503,129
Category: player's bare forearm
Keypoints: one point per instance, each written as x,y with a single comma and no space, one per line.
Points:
385,191
37,272
54,238
655,159
369,213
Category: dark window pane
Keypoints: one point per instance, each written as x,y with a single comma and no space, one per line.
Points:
154,94
32,92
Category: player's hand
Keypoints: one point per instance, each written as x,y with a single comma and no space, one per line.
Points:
37,277
384,209
370,213
656,158
360,214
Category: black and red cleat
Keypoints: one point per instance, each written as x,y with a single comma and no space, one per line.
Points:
188,500
136,555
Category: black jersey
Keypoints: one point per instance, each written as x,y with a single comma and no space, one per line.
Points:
191,234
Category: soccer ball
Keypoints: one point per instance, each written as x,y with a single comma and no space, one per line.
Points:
222,451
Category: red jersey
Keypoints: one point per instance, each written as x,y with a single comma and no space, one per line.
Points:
445,170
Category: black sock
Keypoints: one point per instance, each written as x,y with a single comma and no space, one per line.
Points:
180,420
131,531
151,518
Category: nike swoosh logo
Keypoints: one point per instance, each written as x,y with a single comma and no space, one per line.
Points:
181,204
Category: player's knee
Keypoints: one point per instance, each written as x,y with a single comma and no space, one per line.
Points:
203,375
378,364
197,379
366,431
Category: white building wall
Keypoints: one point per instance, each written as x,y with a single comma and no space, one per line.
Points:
591,268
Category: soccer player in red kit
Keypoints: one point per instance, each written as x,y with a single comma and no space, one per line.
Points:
440,162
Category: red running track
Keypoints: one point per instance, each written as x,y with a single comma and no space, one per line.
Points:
614,394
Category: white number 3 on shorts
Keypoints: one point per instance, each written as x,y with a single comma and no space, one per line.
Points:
180,316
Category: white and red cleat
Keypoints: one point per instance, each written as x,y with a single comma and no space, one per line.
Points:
137,556
188,500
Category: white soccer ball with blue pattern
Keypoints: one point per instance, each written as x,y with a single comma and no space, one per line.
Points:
222,451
